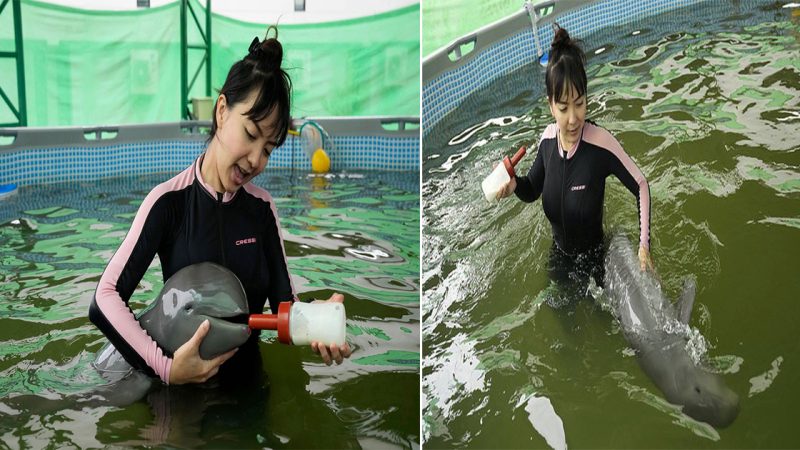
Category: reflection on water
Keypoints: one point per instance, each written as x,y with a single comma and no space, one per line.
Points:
546,422
707,102
760,383
357,234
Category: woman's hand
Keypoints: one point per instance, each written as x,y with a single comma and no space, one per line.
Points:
333,352
508,188
645,262
189,367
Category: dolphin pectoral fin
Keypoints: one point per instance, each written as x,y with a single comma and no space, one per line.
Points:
686,300
127,391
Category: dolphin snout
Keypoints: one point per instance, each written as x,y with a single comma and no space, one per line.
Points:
719,411
728,411
223,336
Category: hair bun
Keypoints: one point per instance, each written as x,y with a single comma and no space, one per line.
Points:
268,53
561,39
272,53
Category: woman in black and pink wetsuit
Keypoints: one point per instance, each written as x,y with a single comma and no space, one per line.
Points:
573,161
211,212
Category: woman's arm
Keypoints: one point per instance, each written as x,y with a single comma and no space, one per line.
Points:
529,188
109,310
281,287
626,170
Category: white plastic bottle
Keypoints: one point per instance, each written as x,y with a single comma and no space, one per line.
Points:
321,322
501,175
302,323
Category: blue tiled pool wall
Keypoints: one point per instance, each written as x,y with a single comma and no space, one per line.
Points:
355,153
83,195
91,162
444,93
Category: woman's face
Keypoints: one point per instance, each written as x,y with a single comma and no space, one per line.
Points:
245,145
570,114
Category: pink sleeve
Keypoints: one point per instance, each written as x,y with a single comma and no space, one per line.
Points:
115,308
122,276
630,175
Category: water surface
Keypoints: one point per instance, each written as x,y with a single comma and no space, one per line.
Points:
707,102
354,233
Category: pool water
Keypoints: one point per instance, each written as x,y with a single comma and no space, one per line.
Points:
353,233
707,102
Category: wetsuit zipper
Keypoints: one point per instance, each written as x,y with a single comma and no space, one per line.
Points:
563,186
219,227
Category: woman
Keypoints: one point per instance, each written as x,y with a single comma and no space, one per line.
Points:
211,212
571,166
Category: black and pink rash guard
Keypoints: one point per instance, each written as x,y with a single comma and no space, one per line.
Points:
572,185
185,222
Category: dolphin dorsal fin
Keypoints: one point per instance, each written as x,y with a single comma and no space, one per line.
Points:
686,300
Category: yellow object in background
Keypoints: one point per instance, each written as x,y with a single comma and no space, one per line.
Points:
320,163
315,141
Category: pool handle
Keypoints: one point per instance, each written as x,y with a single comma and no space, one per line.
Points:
278,322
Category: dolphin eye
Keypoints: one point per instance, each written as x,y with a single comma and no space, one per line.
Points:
697,389
188,307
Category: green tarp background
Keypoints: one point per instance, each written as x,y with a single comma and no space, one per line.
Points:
102,68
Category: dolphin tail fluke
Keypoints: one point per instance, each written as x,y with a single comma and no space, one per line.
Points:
686,300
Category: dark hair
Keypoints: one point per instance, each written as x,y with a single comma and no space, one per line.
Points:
260,69
565,65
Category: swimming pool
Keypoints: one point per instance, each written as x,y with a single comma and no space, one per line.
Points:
705,99
352,231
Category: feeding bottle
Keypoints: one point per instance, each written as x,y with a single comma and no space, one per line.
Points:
501,175
302,323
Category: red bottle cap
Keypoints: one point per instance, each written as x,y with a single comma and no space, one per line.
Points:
263,321
283,322
510,163
278,322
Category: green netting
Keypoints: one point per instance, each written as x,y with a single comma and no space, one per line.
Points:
447,20
97,67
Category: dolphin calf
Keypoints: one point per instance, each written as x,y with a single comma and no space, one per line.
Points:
645,315
204,291
192,295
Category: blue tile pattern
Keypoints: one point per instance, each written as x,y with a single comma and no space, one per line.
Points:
355,152
446,92
85,163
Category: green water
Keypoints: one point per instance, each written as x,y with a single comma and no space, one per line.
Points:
357,234
707,102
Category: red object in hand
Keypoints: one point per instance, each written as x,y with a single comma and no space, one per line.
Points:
510,163
278,322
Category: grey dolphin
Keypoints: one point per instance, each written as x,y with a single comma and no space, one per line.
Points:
192,295
645,316
204,291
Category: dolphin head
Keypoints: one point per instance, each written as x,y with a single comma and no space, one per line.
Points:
204,291
705,397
